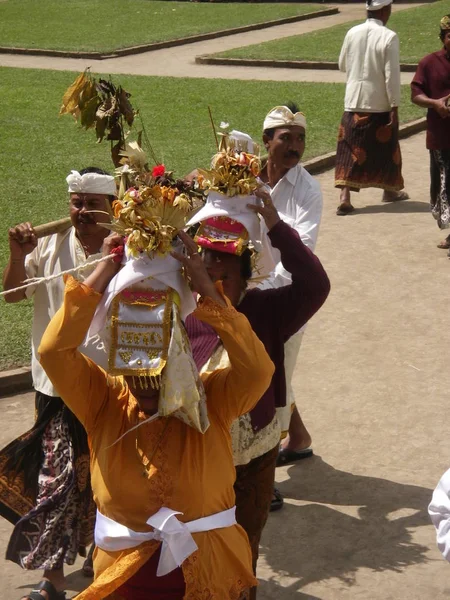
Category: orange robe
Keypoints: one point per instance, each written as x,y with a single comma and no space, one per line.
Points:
155,466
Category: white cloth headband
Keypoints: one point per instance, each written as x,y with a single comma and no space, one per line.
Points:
377,4
282,116
91,183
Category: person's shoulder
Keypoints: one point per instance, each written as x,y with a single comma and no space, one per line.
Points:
357,29
389,34
429,59
308,180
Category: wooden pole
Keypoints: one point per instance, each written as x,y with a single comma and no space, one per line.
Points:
52,227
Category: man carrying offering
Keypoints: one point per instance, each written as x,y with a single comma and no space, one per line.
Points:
161,463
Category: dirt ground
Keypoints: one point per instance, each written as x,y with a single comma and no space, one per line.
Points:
372,384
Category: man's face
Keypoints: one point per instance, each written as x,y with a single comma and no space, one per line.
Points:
446,41
287,146
83,215
226,268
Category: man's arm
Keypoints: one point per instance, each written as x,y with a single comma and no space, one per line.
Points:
306,224
82,384
392,75
22,241
343,57
293,305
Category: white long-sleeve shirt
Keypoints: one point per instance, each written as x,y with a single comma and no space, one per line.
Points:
370,56
298,200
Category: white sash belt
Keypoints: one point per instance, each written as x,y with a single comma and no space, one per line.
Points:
176,538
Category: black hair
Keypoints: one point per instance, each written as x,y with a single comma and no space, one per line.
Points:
93,170
293,107
442,32
246,264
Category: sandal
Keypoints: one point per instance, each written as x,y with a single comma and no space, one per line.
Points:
87,568
277,501
48,587
286,456
344,209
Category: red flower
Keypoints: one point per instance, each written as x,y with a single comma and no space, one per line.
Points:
158,171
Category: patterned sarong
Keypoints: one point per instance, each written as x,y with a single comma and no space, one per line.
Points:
45,490
368,153
440,187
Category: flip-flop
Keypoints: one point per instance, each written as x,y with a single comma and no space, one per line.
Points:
48,587
344,209
286,456
277,502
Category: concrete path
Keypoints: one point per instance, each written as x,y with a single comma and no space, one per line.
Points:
372,382
181,63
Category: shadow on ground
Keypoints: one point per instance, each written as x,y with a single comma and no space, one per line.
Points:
406,206
367,526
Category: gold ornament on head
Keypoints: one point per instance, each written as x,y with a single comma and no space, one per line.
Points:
445,23
235,167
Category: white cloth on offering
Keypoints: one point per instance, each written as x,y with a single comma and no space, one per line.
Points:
164,269
235,207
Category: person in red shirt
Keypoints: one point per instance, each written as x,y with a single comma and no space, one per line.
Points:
430,89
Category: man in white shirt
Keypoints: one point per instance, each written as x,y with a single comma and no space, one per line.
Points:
298,199
49,465
368,153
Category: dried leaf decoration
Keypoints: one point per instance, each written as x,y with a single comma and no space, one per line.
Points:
102,105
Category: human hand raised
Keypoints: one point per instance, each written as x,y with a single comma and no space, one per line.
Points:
268,211
22,240
195,269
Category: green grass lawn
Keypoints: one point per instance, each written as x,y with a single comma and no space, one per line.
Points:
39,148
417,28
105,25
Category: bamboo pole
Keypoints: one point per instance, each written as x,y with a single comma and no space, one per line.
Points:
52,227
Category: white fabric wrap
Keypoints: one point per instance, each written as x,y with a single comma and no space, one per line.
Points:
164,269
282,116
218,205
176,538
244,141
91,183
439,511
377,4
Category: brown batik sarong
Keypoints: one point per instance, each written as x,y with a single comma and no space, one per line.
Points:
368,153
